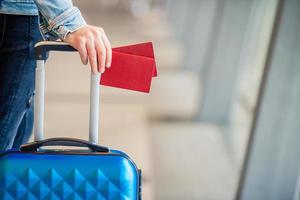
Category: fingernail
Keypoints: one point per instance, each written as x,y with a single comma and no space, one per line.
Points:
102,70
108,64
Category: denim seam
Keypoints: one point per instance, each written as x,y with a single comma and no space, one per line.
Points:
59,25
15,13
31,33
40,28
3,31
44,16
59,20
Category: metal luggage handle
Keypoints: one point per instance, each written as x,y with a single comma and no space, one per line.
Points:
71,142
42,50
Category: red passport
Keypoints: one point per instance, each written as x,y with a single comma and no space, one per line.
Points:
133,68
143,49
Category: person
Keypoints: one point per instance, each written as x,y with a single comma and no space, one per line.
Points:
22,24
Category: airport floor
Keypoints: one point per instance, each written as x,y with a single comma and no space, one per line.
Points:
155,129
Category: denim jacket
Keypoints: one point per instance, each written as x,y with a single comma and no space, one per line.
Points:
57,17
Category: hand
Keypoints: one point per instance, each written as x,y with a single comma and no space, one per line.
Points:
93,46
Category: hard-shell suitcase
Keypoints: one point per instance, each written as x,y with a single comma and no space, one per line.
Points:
95,173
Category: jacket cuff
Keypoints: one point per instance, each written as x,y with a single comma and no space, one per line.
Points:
67,22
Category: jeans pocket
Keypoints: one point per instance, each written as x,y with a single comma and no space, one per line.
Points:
2,27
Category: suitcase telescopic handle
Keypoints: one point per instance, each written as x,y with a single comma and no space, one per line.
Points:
70,142
42,50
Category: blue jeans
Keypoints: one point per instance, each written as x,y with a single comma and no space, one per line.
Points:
18,34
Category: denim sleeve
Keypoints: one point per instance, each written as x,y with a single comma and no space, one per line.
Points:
59,17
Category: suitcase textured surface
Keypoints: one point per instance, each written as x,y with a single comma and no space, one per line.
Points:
55,175
32,173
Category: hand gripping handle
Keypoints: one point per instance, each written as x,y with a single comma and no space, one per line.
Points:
42,50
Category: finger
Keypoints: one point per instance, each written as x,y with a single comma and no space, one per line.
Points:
92,55
101,54
108,50
83,52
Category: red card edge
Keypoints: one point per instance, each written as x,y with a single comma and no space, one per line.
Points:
148,91
134,45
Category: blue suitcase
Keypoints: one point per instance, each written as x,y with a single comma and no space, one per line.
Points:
93,173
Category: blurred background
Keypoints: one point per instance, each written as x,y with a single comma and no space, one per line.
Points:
222,118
